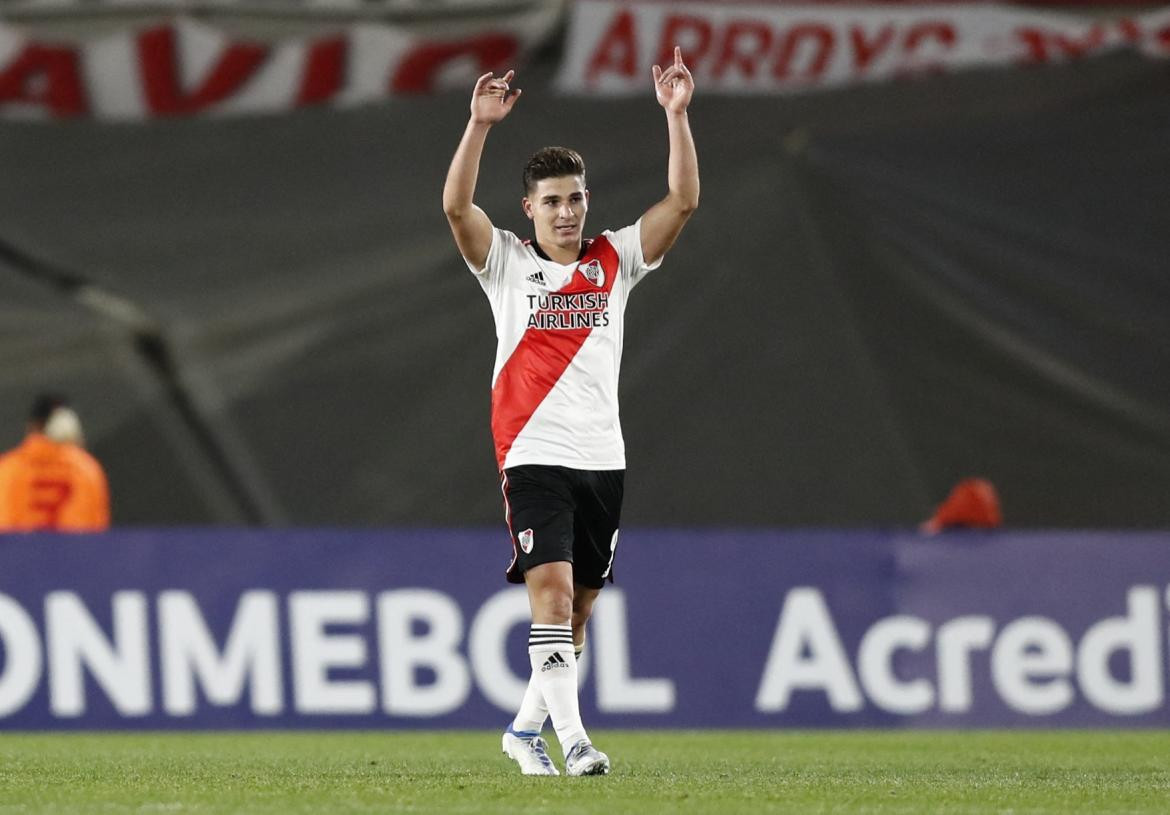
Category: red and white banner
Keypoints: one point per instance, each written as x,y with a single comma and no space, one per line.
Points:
183,68
751,48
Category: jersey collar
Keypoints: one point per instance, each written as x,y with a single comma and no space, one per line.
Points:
540,253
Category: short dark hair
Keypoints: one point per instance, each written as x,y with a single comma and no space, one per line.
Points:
552,162
44,405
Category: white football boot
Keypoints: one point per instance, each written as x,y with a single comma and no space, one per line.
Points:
529,750
585,759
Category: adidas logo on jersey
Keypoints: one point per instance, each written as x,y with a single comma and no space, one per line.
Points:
555,660
537,278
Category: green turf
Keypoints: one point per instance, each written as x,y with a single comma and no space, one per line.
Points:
654,772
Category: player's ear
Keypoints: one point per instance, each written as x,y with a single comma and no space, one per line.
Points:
526,205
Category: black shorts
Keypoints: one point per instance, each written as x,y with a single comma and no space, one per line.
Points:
561,514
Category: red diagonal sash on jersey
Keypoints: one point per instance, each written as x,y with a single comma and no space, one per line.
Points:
541,357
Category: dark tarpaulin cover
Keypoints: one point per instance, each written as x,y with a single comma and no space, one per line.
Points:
885,289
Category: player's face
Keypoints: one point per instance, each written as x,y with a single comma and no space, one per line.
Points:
557,207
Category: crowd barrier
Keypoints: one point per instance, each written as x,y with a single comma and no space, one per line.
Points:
703,628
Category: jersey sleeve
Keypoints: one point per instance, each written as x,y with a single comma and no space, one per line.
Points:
628,243
491,276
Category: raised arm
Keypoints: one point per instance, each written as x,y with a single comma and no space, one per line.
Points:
491,101
662,223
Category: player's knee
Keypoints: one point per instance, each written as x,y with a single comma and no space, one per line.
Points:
555,606
553,603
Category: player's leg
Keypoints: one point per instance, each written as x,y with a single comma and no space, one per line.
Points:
550,648
599,500
533,711
583,600
595,534
540,511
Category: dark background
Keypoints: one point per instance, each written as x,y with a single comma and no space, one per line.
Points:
885,289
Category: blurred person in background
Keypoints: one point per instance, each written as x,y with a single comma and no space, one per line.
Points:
558,302
49,482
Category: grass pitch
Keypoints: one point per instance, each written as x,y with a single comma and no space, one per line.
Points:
654,772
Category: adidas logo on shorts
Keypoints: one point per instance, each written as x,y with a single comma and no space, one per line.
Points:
555,660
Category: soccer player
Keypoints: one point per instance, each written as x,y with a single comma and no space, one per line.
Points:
558,303
50,482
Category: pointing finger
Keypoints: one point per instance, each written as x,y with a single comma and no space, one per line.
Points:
677,57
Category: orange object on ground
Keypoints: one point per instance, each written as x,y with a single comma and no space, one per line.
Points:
47,485
974,502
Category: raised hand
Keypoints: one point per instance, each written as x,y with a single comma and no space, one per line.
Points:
492,98
674,86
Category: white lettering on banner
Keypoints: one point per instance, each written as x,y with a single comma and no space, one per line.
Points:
486,648
956,640
427,664
185,67
419,638
315,651
807,654
20,649
502,612
1031,661
76,642
437,650
875,665
188,654
617,691
741,48
1137,634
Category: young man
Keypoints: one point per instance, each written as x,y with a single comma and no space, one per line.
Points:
558,303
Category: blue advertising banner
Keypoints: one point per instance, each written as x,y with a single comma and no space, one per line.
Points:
704,628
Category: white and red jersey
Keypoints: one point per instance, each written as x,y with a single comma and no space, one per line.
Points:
559,330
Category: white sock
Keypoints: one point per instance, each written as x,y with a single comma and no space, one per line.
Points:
554,672
533,711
